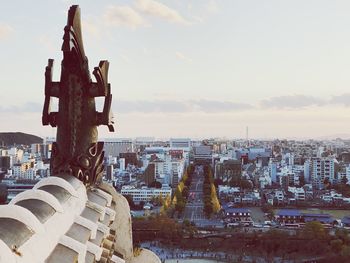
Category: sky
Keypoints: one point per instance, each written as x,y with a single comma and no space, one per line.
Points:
190,68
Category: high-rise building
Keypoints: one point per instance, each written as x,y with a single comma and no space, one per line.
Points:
109,172
122,164
307,171
321,169
273,170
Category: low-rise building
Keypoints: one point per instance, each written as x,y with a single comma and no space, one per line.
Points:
239,215
289,216
145,194
298,193
346,221
294,216
279,195
322,218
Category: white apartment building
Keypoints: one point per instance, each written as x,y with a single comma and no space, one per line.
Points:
320,169
299,193
169,170
279,196
264,180
293,178
30,174
19,170
145,194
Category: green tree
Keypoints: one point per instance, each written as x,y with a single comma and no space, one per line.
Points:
314,230
268,209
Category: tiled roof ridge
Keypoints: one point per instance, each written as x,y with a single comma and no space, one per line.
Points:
70,224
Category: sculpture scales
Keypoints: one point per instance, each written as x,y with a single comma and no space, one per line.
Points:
76,150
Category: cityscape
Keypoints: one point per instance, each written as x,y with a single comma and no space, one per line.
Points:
219,187
227,138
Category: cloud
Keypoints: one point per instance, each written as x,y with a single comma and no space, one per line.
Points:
172,106
156,9
125,58
213,106
211,7
292,102
123,16
90,27
47,43
207,10
341,99
143,106
25,108
181,56
5,31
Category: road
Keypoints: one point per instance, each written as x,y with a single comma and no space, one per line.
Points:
194,207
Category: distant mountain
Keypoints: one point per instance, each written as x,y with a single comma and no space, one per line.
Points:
11,138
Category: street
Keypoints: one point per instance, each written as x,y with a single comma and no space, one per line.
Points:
194,207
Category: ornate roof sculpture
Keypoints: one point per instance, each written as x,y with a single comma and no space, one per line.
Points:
72,216
76,150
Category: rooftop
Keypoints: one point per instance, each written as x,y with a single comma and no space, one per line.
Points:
288,212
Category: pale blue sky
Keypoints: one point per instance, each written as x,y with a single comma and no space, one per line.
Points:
190,68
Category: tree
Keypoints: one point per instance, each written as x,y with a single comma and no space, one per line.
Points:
344,180
267,208
314,230
185,192
189,228
218,182
301,180
180,206
327,183
245,184
336,245
3,194
214,199
345,252
208,209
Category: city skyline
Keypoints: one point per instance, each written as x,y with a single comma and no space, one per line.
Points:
189,69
